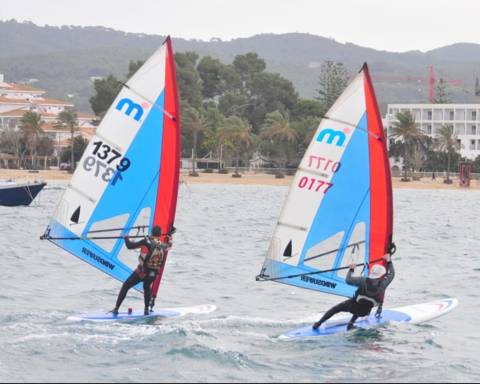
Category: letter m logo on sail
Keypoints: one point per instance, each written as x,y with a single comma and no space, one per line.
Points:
131,107
330,136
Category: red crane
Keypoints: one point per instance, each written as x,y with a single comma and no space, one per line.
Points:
431,85
432,81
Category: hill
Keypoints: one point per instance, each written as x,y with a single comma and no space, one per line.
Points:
63,60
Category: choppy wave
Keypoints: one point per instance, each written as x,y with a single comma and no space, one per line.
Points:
223,234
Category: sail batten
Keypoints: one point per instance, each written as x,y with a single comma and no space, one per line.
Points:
340,196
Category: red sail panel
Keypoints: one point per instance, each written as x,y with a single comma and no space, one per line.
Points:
381,202
170,163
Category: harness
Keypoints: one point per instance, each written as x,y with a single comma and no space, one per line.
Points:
155,256
373,295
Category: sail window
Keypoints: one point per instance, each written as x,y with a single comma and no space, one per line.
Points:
107,232
355,250
322,255
127,256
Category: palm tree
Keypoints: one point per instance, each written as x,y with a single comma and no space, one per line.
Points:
236,134
69,119
417,159
196,123
448,142
31,125
277,128
406,130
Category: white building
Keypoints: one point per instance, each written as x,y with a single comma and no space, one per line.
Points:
465,118
16,99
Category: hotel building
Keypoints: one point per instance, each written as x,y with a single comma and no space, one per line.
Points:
464,118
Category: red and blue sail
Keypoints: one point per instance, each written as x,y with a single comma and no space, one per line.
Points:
127,179
339,208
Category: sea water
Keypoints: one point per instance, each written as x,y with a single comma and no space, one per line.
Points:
219,248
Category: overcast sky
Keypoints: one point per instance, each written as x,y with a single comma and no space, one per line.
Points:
393,25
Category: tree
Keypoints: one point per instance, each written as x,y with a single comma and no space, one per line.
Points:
210,71
106,90
269,92
31,124
133,67
45,146
306,129
232,103
306,108
69,119
79,145
406,129
188,80
429,147
449,143
441,93
231,79
277,129
13,141
236,135
195,123
247,65
476,165
418,157
333,80
215,120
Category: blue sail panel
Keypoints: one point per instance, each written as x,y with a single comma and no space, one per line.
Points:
343,211
123,198
347,207
138,188
87,251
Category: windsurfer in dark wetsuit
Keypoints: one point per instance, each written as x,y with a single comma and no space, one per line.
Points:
370,293
152,256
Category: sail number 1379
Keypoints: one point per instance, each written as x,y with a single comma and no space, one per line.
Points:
94,163
314,184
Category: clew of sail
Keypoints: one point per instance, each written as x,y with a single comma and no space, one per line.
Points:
339,207
127,179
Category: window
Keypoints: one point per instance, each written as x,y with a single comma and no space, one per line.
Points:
429,115
474,115
429,129
472,144
473,130
451,115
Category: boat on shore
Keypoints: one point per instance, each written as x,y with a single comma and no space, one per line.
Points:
13,194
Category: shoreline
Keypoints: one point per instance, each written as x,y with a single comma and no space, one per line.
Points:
248,178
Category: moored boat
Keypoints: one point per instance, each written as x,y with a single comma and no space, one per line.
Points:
13,193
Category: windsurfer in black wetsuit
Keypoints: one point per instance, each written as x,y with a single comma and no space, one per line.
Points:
152,256
370,293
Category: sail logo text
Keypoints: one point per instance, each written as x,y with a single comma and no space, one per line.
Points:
131,107
97,258
323,283
330,136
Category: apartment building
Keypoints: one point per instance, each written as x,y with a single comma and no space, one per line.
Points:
465,118
16,99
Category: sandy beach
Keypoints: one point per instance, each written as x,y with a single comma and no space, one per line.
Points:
247,178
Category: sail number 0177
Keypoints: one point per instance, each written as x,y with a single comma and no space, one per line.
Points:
101,168
313,184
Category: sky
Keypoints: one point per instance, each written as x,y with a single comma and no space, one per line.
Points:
391,25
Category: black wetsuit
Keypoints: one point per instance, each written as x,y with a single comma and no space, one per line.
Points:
142,273
370,292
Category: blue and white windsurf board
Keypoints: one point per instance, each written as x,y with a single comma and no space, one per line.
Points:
413,314
139,315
